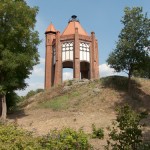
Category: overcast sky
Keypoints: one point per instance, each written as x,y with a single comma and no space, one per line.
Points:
101,16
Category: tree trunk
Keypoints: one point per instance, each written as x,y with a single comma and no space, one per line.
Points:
129,81
3,108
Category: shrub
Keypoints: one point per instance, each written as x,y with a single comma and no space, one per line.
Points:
65,139
39,90
97,132
126,133
12,138
32,93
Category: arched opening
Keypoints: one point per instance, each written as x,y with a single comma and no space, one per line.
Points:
67,74
85,70
67,70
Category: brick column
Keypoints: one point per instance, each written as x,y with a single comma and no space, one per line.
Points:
97,62
48,61
76,67
92,56
58,65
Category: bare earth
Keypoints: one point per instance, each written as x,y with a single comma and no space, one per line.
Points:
41,121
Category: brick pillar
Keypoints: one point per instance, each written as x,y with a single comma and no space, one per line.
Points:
58,65
97,61
76,67
92,56
48,60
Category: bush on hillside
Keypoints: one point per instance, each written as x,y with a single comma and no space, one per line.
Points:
126,133
32,93
13,138
97,132
66,139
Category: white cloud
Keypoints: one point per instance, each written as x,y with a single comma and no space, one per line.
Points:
32,86
67,75
38,71
42,60
105,70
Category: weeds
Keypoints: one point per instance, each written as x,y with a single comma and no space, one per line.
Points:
97,132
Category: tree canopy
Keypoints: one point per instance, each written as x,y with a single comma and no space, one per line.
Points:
131,52
18,44
145,71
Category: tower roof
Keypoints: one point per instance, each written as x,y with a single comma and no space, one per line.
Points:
51,28
72,24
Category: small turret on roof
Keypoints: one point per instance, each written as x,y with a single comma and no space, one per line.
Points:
50,28
72,25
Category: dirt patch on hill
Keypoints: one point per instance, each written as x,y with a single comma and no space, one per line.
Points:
41,121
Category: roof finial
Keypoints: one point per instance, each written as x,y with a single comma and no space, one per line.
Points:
74,18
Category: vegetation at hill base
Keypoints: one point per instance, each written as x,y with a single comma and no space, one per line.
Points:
124,134
12,137
13,99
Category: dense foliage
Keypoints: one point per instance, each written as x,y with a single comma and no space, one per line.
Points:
126,133
11,137
66,139
12,99
18,44
145,71
131,52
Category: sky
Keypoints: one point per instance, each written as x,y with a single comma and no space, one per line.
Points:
101,16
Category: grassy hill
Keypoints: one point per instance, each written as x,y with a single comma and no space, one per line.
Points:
93,95
79,104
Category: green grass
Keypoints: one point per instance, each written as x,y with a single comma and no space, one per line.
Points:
60,102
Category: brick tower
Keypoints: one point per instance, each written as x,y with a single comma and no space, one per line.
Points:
74,48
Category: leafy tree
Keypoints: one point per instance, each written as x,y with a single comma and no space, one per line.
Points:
18,46
132,48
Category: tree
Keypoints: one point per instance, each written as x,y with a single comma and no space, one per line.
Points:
18,46
132,48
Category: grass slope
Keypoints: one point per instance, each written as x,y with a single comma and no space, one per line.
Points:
107,92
